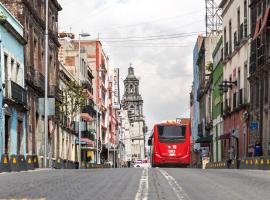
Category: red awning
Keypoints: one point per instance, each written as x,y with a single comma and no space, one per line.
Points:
86,117
225,136
257,29
266,14
87,141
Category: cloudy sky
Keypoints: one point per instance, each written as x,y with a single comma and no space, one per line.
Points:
156,36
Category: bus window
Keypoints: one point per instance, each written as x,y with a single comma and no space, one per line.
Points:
172,133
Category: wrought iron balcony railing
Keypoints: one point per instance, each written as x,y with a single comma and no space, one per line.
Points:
15,92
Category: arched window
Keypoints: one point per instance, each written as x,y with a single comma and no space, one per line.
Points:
131,88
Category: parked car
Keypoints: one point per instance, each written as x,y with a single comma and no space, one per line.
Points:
141,163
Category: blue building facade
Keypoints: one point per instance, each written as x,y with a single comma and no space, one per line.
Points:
196,106
13,98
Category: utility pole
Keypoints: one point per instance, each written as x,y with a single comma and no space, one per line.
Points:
46,88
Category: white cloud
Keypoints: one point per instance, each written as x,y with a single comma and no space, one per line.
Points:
166,73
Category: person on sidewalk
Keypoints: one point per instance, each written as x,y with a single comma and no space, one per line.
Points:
231,156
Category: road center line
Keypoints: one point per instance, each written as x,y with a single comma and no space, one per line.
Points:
180,193
142,193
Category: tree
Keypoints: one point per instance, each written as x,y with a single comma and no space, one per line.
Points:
72,100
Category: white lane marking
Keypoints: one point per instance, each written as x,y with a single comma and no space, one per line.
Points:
142,193
180,193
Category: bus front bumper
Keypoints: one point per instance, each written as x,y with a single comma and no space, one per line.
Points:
158,159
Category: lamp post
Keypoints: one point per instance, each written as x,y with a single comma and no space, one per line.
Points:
46,87
79,111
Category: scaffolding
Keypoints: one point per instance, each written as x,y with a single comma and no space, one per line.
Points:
213,19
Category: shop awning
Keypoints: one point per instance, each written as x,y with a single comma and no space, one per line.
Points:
86,117
205,139
225,136
266,14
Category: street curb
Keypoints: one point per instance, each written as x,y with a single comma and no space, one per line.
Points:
257,163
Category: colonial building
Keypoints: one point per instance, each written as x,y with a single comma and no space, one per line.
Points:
235,85
83,75
12,89
204,94
31,15
68,130
194,101
259,76
133,103
113,136
96,80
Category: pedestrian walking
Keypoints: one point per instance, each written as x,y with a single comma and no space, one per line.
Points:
231,156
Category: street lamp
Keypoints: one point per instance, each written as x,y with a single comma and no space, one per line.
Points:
46,85
223,87
79,111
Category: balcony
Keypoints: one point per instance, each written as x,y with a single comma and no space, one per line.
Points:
88,134
87,86
30,73
90,110
55,92
16,93
200,92
75,128
39,80
208,126
260,55
252,65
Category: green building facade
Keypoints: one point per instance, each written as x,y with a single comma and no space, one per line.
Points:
217,99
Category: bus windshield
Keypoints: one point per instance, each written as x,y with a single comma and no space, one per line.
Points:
171,132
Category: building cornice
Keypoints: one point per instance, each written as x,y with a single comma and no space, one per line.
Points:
13,31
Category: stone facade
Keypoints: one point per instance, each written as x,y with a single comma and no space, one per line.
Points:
31,14
235,61
260,75
133,103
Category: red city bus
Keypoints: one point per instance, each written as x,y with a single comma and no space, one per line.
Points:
170,143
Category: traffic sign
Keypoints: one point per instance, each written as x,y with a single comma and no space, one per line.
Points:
254,126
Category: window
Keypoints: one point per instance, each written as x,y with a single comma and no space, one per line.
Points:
131,89
257,94
245,9
230,37
17,78
238,18
245,82
6,66
12,70
238,79
266,88
259,9
225,43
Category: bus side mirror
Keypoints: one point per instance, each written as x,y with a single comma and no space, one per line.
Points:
150,142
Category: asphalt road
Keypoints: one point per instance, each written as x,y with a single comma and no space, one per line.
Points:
136,184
